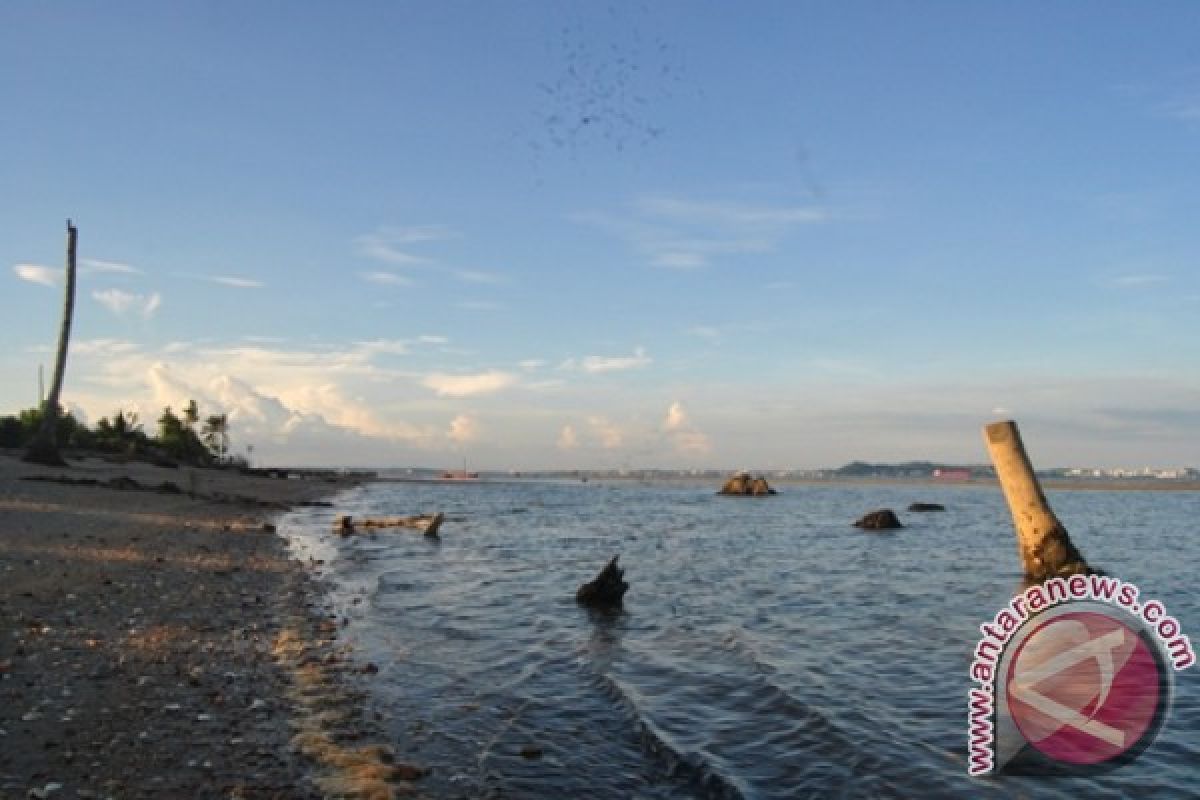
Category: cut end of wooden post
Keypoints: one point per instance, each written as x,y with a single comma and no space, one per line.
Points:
999,432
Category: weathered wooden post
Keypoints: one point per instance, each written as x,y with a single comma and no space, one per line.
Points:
1042,541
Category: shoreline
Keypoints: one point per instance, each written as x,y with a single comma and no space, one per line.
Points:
157,639
1057,484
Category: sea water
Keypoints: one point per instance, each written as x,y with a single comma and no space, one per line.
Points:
767,648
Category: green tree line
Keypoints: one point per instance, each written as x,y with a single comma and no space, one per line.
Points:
182,437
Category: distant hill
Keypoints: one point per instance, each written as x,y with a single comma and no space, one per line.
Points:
910,469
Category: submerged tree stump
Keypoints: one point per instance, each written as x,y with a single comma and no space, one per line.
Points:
1045,548
606,590
883,519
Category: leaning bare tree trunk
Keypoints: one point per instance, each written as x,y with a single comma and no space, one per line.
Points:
44,447
1045,547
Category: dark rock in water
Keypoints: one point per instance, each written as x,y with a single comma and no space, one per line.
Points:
742,485
926,507
736,485
883,519
759,487
607,590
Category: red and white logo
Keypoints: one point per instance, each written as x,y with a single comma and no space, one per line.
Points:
1084,688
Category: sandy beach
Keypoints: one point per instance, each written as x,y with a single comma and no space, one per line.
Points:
157,641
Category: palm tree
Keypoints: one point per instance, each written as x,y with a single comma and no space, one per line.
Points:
43,448
191,415
216,434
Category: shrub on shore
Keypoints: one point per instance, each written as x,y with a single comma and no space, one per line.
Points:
176,439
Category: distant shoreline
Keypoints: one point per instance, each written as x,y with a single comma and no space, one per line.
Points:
1054,484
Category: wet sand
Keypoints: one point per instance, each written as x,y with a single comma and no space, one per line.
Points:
161,643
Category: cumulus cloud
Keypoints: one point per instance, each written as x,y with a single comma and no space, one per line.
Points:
567,438
291,427
607,433
35,273
677,418
682,432
119,302
468,385
463,428
594,364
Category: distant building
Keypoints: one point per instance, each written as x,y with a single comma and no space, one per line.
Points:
952,475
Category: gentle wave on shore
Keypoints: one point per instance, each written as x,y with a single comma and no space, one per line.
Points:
767,648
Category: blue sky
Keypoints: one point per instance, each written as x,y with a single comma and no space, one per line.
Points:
628,235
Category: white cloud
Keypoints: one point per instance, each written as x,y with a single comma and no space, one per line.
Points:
682,432
730,215
1138,280
385,243
531,364
468,385
395,347
608,433
153,302
677,419
119,302
683,234
595,364
385,278
102,347
426,338
96,265
478,276
235,282
463,428
34,273
709,332
680,259
1184,107
567,438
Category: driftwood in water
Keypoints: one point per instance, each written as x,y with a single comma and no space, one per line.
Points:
742,485
921,507
883,519
1045,548
427,523
607,590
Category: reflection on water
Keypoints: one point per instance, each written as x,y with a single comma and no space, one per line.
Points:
767,648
